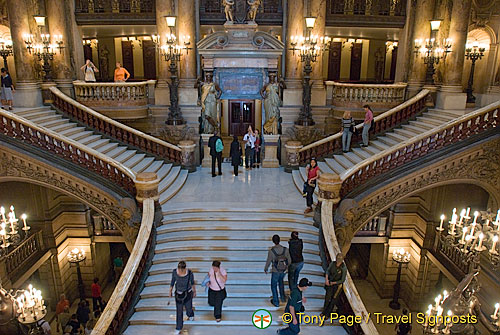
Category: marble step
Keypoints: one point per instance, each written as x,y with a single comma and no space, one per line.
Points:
53,123
166,179
334,165
89,139
297,180
443,118
406,132
125,156
355,159
234,226
35,113
379,145
422,124
211,208
117,151
62,127
362,153
72,131
429,121
143,164
346,163
134,160
174,188
162,171
397,137
98,144
105,149
45,118
390,142
236,216
418,129
325,168
222,329
80,135
155,166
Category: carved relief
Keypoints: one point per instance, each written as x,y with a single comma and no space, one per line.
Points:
480,165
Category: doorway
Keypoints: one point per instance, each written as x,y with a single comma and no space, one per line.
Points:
241,115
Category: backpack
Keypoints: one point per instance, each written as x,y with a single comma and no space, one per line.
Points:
219,146
280,262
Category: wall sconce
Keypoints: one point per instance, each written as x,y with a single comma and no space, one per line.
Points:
310,21
171,22
40,20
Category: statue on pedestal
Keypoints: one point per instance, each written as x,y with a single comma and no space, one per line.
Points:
210,93
253,7
228,9
379,64
271,95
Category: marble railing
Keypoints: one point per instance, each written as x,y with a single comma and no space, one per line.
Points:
24,253
103,226
119,94
357,95
27,132
121,300
377,226
462,128
383,122
114,129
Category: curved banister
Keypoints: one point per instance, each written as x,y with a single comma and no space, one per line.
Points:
421,95
28,132
131,273
453,131
352,295
336,83
118,84
116,129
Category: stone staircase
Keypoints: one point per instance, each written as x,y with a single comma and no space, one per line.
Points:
239,238
340,163
171,177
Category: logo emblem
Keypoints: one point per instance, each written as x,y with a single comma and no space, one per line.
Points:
262,319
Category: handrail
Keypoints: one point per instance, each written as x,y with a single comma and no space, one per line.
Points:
336,83
382,122
124,84
349,287
130,275
17,127
115,129
448,133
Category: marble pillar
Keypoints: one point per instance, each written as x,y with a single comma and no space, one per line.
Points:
421,30
75,43
318,94
451,94
188,95
163,8
405,52
62,71
292,155
28,92
293,67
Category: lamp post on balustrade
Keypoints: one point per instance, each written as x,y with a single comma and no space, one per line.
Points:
473,53
5,51
171,52
76,256
401,257
310,47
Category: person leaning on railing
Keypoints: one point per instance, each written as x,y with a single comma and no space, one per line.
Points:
367,125
347,131
121,74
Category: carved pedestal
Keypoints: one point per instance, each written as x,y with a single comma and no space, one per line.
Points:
187,157
271,151
146,184
207,159
292,155
46,94
329,185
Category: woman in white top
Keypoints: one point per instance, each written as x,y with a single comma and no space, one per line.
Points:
89,70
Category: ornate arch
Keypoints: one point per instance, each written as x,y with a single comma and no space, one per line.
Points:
20,167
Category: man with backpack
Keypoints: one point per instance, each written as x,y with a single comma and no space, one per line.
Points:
216,146
279,256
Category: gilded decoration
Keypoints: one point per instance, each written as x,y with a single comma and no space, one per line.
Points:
480,165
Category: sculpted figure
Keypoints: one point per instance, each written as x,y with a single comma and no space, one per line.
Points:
210,92
271,95
228,9
253,7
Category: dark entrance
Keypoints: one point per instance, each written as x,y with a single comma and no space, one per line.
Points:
241,115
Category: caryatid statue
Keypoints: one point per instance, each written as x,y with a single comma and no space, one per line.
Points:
228,9
253,7
272,101
210,93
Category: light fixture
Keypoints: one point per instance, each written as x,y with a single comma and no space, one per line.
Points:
5,50
401,257
473,52
76,255
10,230
40,20
310,21
170,20
28,306
435,24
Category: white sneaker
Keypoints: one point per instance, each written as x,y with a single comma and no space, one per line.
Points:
177,331
191,318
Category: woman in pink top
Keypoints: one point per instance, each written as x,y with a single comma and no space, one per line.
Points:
217,288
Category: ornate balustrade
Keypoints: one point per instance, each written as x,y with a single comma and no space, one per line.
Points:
455,255
121,301
116,11
382,13
376,227
47,140
114,129
25,253
383,122
481,120
103,226
357,95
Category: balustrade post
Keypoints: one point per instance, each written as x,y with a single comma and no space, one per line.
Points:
146,184
187,158
292,155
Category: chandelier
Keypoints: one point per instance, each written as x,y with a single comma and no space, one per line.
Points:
76,255
45,51
5,50
9,230
431,50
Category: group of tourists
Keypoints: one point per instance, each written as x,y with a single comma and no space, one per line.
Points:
280,261
253,148
89,69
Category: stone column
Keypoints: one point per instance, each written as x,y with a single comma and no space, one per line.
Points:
293,66
163,8
318,96
188,95
292,155
75,43
188,148
405,53
62,71
421,30
451,94
27,93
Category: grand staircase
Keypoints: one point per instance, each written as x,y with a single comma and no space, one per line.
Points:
171,177
340,163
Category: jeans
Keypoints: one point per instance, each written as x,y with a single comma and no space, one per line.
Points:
249,156
188,302
310,192
364,134
331,298
293,274
346,139
277,280
291,330
257,156
218,157
95,302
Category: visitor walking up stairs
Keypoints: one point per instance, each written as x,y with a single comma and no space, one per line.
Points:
171,177
230,219
339,163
